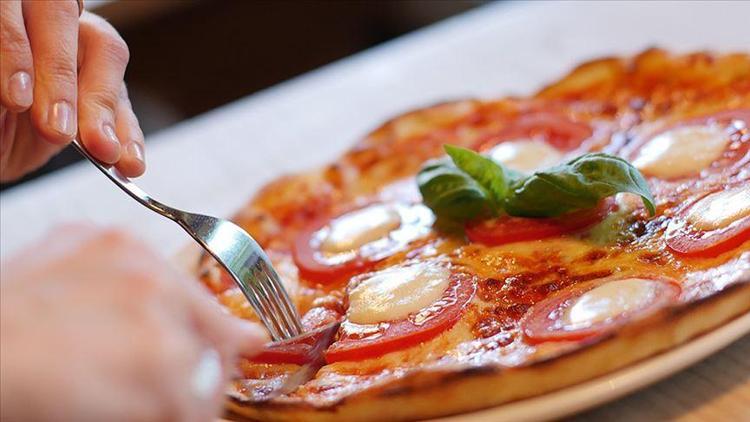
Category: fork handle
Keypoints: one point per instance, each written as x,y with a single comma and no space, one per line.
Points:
129,187
193,224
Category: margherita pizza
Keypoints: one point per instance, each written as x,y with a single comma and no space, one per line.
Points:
566,235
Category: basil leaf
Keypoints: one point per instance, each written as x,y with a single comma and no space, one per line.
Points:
451,193
579,184
489,174
470,185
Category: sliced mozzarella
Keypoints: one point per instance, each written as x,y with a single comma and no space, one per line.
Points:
357,228
608,301
720,209
397,292
681,151
526,155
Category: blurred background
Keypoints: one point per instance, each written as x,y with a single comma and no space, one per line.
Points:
190,56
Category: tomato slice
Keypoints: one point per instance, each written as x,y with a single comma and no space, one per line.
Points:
357,341
507,229
296,351
301,349
316,266
544,321
555,128
684,238
311,267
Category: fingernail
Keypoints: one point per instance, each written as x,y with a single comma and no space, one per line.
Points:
19,89
61,118
111,137
135,150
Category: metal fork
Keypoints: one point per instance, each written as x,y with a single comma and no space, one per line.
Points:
233,248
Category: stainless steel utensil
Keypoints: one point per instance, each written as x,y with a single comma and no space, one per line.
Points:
314,358
312,345
233,248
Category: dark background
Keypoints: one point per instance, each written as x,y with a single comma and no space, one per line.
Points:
188,57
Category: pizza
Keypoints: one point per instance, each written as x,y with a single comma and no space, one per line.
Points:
599,222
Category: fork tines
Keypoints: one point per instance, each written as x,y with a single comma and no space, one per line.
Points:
281,312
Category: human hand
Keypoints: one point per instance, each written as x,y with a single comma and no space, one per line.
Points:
94,326
61,75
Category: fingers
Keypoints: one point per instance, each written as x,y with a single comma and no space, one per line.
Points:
52,28
132,161
43,46
248,337
23,150
104,57
16,67
230,335
203,365
193,377
207,381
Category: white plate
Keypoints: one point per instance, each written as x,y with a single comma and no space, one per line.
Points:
617,384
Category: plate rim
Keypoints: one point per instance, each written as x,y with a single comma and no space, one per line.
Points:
606,388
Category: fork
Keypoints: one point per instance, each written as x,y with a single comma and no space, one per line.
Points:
233,248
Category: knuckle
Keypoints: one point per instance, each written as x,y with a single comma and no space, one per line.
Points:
58,69
115,49
63,9
107,39
14,43
100,97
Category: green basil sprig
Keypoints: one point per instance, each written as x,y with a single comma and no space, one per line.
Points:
452,193
470,185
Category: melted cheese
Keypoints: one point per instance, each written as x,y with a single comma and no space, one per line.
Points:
681,151
396,292
526,155
720,209
357,228
609,301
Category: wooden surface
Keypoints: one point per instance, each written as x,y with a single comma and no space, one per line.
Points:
214,162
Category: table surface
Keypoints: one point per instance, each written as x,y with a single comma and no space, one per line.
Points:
214,162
